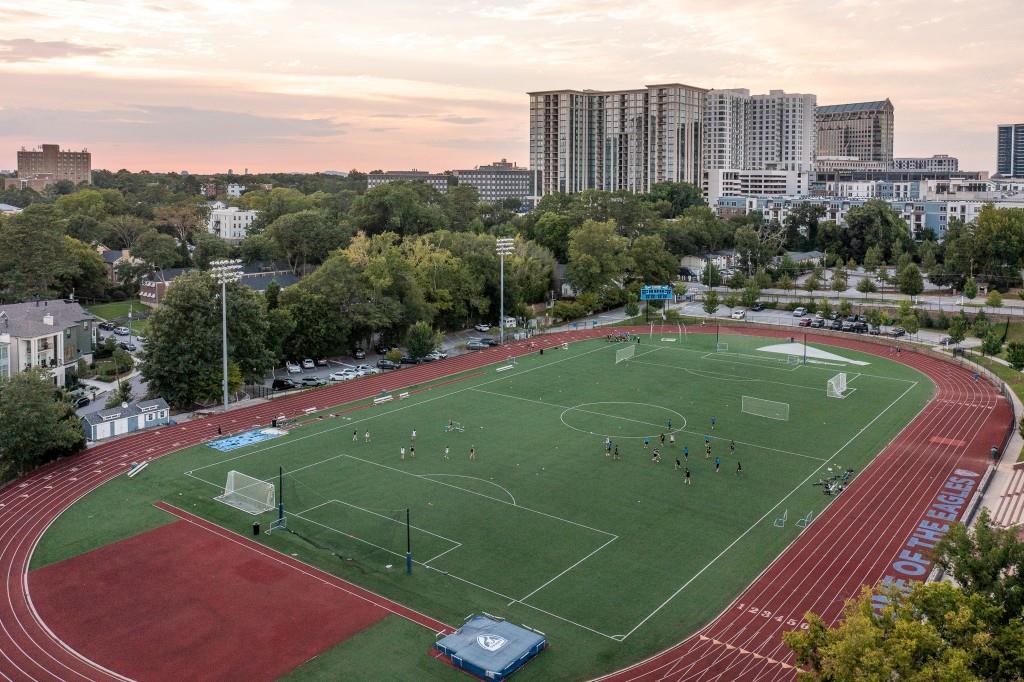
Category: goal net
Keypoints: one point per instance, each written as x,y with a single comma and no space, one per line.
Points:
769,409
793,359
624,354
722,347
249,494
836,387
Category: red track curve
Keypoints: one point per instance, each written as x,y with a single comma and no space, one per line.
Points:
874,517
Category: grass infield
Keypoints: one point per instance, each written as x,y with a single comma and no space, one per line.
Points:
612,559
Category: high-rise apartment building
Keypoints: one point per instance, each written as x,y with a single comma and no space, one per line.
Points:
1010,150
629,139
861,133
39,168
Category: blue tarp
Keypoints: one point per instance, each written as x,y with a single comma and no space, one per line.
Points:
491,648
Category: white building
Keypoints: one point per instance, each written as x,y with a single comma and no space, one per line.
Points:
727,182
235,190
438,181
230,224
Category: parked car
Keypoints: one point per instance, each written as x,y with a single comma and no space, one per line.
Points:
837,325
897,332
384,363
321,362
860,327
307,363
107,326
409,360
800,312
343,375
757,307
283,384
739,314
366,370
78,399
489,340
818,323
313,381
358,353
130,347
140,339
874,330
292,367
946,341
121,331
805,322
475,344
435,355
382,348
482,327
846,326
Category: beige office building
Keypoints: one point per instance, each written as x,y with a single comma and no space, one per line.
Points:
860,132
615,140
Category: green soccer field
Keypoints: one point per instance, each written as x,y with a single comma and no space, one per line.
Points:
613,559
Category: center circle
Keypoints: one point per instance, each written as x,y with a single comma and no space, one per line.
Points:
622,419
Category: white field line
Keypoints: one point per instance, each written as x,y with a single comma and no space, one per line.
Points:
523,599
731,376
769,512
476,478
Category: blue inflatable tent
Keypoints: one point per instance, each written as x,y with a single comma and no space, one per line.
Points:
491,648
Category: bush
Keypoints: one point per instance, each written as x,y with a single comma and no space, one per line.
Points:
1015,355
567,310
942,321
118,295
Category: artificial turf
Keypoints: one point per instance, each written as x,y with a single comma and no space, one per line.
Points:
613,559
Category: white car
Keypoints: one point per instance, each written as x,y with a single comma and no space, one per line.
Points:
800,312
739,314
293,368
366,370
308,363
483,327
343,375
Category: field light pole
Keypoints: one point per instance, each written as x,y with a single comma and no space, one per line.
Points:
225,271
506,246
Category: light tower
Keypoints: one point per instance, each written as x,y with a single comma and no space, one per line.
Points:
506,246
225,271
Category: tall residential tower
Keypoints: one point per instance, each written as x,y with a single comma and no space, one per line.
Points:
1010,150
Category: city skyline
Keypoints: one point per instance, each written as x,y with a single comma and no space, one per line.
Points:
304,86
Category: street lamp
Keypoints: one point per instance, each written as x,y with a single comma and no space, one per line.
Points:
505,246
225,271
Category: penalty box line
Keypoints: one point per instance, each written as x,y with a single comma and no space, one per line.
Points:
792,492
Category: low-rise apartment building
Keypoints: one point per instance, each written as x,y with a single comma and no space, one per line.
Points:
53,335
230,224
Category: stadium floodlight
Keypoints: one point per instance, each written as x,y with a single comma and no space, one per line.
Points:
228,270
505,246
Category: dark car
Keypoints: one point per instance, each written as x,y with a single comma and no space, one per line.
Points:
384,363
409,360
805,322
282,384
130,347
757,307
837,325
489,340
382,348
818,323
313,381
847,326
897,332
476,344
860,327
107,326
321,362
358,353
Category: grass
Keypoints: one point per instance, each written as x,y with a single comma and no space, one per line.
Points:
117,310
614,560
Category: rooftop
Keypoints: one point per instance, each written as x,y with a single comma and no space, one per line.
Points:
119,412
855,107
26,319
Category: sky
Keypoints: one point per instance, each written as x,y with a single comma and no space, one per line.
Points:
301,85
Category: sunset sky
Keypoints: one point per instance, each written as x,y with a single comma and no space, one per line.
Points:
310,85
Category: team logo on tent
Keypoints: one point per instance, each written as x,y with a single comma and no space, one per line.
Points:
491,642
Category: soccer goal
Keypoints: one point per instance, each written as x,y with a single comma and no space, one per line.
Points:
626,353
793,359
249,494
836,386
769,409
722,347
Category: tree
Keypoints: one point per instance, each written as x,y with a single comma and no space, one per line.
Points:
181,360
873,258
737,280
970,630
711,276
731,300
1015,355
910,280
122,231
958,329
421,339
813,282
875,224
824,308
970,288
994,299
751,292
121,394
401,207
928,258
182,221
209,247
908,318
991,343
34,427
839,280
677,196
844,307
802,225
307,237
159,250
711,302
866,286
785,283
679,289
652,263
597,256
552,230
272,294
33,254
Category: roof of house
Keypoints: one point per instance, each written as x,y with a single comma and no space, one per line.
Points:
166,275
801,256
260,266
111,256
260,282
133,409
26,319
7,208
854,107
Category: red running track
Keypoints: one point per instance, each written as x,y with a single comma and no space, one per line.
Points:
874,517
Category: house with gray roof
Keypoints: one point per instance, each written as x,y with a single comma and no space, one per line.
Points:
53,334
127,418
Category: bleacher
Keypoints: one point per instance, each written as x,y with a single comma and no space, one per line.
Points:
1010,509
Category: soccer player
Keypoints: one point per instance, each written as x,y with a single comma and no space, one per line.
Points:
647,442
679,465
355,435
616,453
366,437
412,451
472,453
707,439
712,423
669,424
707,451
718,463
739,469
663,439
401,452
446,452
656,455
607,447
451,424
732,447
414,435
686,453
686,475
671,439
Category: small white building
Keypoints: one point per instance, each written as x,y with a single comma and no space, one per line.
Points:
128,418
230,224
235,190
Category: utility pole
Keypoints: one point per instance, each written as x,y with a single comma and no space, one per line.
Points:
225,271
505,246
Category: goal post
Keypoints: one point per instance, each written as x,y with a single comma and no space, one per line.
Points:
793,359
836,386
721,347
769,409
247,493
627,353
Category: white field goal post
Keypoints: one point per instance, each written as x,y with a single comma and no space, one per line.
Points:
721,347
793,359
627,353
836,386
247,493
769,409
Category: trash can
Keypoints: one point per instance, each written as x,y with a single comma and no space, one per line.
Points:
273,423
256,528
